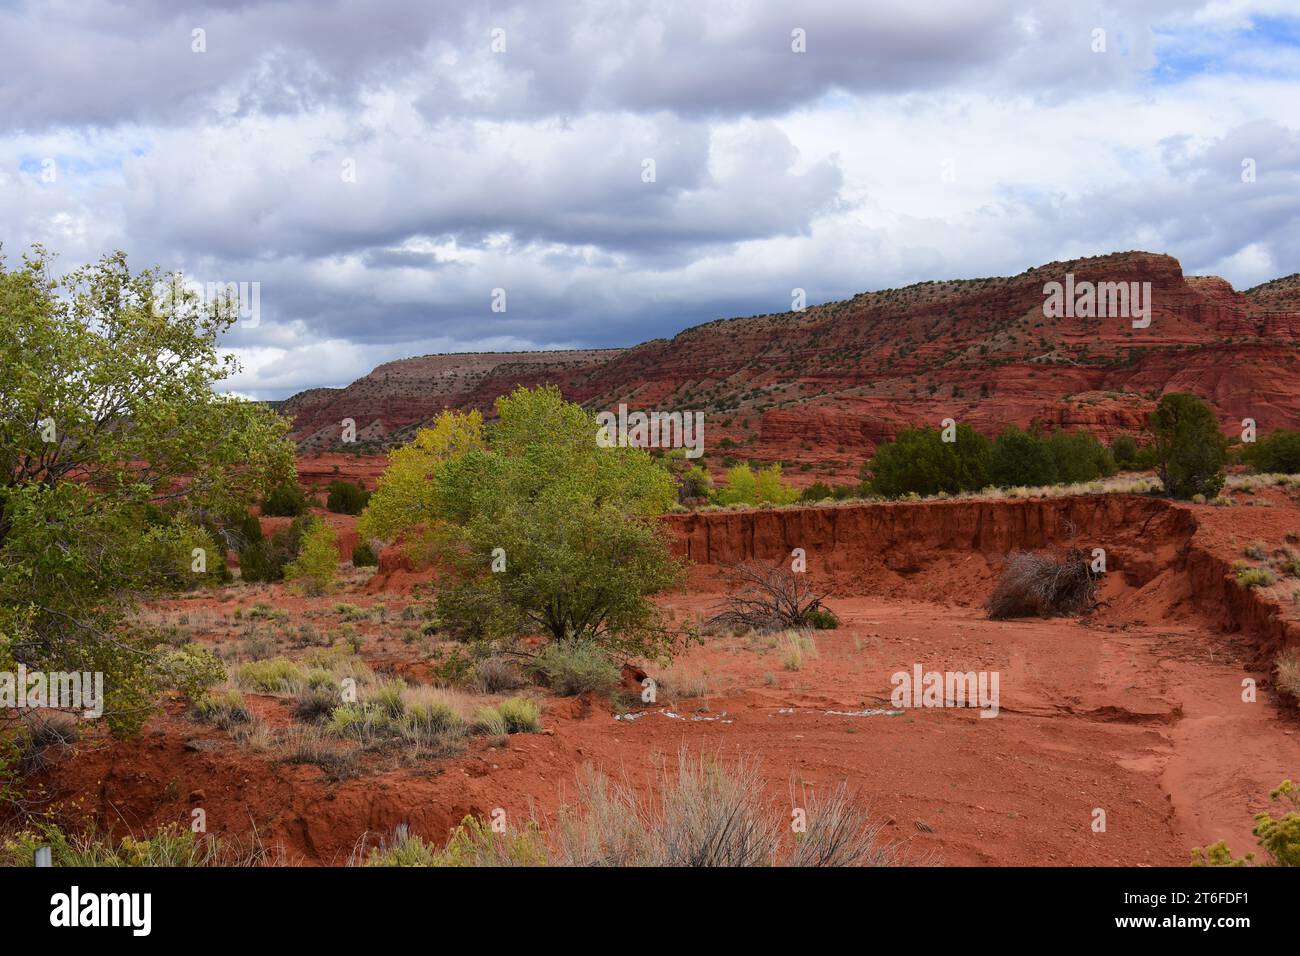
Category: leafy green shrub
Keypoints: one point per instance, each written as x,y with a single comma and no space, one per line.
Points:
346,498
1079,457
744,486
817,491
363,556
1190,449
574,667
920,462
1021,459
495,674
1279,452
821,619
287,500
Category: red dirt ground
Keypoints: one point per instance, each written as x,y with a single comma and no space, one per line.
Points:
1136,710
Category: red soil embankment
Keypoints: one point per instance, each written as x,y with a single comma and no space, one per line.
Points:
1161,564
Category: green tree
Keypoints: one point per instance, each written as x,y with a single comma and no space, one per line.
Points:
1189,447
744,486
770,488
920,462
1021,459
405,500
739,488
112,440
1124,449
317,563
1079,457
540,527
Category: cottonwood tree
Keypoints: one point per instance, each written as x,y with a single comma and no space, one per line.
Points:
113,446
535,525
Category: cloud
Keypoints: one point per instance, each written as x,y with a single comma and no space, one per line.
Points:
379,170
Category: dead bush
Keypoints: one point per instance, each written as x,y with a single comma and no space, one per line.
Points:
767,597
1043,585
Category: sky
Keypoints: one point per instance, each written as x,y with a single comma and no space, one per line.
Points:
409,177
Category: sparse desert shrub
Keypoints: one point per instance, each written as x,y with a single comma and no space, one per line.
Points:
1287,669
574,667
792,655
1255,577
709,814
350,612
770,597
225,709
490,722
1043,585
37,741
311,746
1258,551
166,847
496,674
840,832
359,722
520,714
472,843
1279,837
316,705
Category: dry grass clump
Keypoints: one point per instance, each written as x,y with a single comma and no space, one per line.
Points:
705,814
1287,668
711,814
1043,585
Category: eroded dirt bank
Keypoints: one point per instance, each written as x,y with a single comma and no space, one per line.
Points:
1136,711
